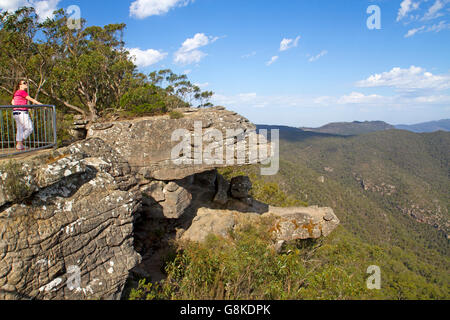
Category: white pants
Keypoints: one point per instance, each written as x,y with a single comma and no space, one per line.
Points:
24,125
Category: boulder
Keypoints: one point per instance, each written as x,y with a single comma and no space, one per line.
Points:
223,188
289,223
176,201
303,222
240,187
165,200
210,221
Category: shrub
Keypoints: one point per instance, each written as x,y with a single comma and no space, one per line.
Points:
64,123
244,266
145,109
176,115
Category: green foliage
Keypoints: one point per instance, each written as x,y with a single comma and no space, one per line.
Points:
244,266
262,190
145,109
146,291
146,94
63,124
176,115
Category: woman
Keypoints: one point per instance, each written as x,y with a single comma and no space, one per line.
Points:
21,114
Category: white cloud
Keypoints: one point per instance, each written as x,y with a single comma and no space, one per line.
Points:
142,9
359,98
406,7
443,25
287,44
12,5
199,40
247,96
354,99
317,57
434,11
44,8
441,99
202,85
439,27
414,31
272,60
189,57
189,53
324,100
145,58
249,55
412,79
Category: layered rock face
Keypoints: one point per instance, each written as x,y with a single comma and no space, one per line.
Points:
71,238
149,144
77,221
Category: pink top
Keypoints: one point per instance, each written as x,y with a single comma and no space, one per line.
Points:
20,100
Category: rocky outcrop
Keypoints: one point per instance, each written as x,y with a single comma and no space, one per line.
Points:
288,224
148,144
76,222
79,128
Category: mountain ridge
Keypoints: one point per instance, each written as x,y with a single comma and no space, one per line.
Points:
358,127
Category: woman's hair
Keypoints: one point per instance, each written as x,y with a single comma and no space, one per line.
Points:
18,85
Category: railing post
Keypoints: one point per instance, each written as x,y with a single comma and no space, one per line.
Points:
55,140
38,140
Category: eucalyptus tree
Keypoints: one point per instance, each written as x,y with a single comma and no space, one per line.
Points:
92,69
17,48
85,69
178,88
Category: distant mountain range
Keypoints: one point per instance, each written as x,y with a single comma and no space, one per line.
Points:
441,125
357,127
389,189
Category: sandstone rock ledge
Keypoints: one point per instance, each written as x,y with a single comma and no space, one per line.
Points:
77,221
289,223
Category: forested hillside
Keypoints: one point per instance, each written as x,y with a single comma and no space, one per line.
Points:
390,189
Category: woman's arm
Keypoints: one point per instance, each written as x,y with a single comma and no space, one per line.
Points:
32,100
12,102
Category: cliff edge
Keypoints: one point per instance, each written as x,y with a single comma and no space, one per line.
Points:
75,222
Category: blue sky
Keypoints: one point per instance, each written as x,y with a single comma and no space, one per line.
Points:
292,62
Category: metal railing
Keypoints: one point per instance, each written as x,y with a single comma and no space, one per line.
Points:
43,136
